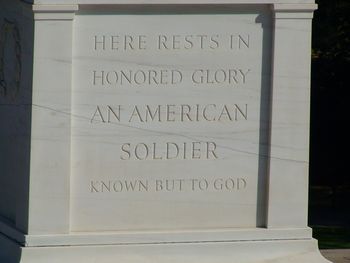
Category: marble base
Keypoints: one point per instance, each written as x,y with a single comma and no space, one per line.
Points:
292,251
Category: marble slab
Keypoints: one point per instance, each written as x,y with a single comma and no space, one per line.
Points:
155,131
171,120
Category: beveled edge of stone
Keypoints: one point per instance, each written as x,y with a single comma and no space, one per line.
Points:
154,237
294,11
50,12
168,2
279,251
55,11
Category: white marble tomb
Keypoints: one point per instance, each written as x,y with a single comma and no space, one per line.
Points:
155,131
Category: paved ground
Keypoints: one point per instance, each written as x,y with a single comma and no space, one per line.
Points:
337,255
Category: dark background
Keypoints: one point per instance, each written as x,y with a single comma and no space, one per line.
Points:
329,211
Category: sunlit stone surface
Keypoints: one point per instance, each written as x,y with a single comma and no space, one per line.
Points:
155,131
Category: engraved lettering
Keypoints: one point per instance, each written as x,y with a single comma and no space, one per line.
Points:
241,183
169,185
94,187
125,149
199,184
105,186
220,76
205,116
138,78
112,112
136,113
243,42
197,112
153,76
176,77
128,42
112,77
227,184
141,151
201,40
97,116
142,42
155,151
124,76
99,77
197,76
196,150
130,185
172,150
170,113
159,185
150,116
189,42
162,40
218,184
176,42
164,77
120,42
114,42
100,42
239,111
214,42
233,76
240,41
169,151
203,184
118,186
230,184
211,148
244,74
185,111
185,151
225,112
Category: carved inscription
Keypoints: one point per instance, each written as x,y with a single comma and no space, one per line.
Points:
203,42
169,151
229,184
132,75
165,77
170,113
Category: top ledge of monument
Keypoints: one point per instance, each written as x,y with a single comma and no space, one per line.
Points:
177,2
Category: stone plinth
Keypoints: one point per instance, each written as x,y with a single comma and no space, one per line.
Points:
155,131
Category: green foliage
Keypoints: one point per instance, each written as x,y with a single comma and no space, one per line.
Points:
329,118
330,93
331,44
332,30
332,237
